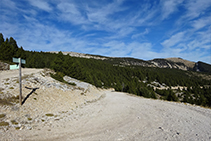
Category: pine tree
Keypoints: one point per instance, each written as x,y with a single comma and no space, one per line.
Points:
58,62
13,44
20,53
6,52
1,39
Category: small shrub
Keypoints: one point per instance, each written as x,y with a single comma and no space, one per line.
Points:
17,128
49,115
11,87
2,115
58,76
3,123
71,83
29,119
5,102
14,122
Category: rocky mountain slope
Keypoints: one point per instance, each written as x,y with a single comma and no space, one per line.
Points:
82,55
177,63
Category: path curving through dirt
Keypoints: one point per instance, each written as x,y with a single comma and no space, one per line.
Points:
120,116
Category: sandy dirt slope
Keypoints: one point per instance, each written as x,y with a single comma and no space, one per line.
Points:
15,73
117,116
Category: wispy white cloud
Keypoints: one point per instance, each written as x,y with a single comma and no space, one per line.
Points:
142,34
201,40
101,13
201,22
173,40
9,4
43,5
195,8
70,12
169,7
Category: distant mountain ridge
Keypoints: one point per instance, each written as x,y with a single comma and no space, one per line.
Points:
177,63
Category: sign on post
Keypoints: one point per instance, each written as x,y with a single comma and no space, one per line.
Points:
20,61
14,67
16,60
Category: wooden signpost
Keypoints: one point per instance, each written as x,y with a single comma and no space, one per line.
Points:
19,61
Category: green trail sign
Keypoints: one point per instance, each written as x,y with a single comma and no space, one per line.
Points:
19,61
16,60
14,67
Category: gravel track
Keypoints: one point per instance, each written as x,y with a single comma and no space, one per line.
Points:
119,116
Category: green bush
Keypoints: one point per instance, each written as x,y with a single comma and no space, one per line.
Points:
4,123
49,115
2,115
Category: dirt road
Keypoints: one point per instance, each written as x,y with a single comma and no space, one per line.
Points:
120,116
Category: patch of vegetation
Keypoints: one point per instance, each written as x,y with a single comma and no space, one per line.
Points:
5,102
59,76
17,128
11,87
29,119
7,79
3,123
167,94
49,115
71,83
14,122
10,100
2,115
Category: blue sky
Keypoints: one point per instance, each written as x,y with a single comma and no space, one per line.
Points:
144,29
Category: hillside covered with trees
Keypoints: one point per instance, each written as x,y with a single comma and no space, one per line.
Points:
150,82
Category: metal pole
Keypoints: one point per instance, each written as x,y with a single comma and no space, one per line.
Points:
0,79
20,83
